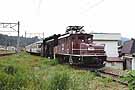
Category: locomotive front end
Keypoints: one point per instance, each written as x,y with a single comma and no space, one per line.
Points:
92,54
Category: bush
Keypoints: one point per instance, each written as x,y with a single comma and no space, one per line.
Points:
18,78
50,62
60,81
10,70
130,78
106,80
10,82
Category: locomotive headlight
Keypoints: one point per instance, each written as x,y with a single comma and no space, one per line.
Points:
91,48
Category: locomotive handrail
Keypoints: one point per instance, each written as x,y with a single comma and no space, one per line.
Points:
87,49
82,55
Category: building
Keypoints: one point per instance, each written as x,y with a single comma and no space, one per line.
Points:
2,47
110,40
11,48
128,54
114,62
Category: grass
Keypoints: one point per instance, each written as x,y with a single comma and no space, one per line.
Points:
27,72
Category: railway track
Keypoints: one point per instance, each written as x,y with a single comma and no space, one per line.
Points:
115,77
104,74
6,54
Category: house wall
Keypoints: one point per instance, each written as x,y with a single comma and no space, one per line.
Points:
133,63
110,40
129,64
10,48
115,65
111,47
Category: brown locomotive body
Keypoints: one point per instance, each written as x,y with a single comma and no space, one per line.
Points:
74,48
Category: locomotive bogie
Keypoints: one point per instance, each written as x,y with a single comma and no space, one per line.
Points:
94,61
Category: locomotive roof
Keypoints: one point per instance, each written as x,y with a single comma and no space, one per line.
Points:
67,35
51,38
64,35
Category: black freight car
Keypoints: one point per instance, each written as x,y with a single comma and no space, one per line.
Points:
74,47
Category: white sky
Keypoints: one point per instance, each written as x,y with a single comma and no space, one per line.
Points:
53,16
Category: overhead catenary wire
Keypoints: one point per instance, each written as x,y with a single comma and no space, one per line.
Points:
91,4
96,4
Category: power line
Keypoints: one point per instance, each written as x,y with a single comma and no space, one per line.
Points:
92,6
96,4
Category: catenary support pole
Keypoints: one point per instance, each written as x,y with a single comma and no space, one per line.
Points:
18,39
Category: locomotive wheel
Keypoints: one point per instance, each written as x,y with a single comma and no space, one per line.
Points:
70,60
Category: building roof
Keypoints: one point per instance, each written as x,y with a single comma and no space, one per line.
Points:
128,47
106,33
106,36
114,59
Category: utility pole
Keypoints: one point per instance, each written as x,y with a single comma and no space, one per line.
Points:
43,35
18,39
25,39
12,26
